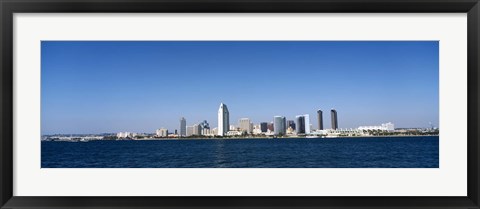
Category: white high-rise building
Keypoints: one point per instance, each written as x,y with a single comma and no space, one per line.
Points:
223,120
307,123
245,125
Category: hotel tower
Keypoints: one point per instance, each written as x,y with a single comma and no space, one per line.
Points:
223,120
334,119
320,119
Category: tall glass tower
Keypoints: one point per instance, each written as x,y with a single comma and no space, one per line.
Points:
183,127
320,119
223,120
300,124
334,119
279,125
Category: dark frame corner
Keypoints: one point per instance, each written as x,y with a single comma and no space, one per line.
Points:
9,7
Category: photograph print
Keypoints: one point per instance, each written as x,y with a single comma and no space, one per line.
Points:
240,104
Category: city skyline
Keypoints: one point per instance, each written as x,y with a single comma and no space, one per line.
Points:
108,87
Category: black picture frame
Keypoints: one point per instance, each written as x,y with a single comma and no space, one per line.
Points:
9,7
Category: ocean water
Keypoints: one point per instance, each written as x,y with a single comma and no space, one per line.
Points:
373,152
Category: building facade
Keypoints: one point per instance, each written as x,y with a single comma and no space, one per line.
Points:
189,131
384,127
162,132
245,125
307,123
300,124
197,130
223,120
279,126
264,127
320,119
183,127
334,119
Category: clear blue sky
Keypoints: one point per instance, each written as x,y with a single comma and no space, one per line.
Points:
139,86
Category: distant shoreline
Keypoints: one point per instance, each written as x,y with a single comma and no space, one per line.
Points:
341,137
247,138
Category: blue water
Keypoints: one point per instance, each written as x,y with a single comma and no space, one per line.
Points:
375,152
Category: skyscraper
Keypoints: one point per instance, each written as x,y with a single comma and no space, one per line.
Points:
307,123
320,119
264,127
223,120
244,124
334,119
300,124
183,127
279,125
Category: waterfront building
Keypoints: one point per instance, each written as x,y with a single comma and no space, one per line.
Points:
320,119
214,131
334,119
279,125
189,131
300,124
197,130
223,119
291,124
384,127
183,127
263,127
256,130
124,135
233,133
163,132
270,126
307,123
204,127
245,125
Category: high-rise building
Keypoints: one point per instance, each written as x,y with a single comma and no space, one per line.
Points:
189,131
291,124
223,120
264,127
307,123
197,130
334,119
244,124
300,124
320,119
279,126
183,127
